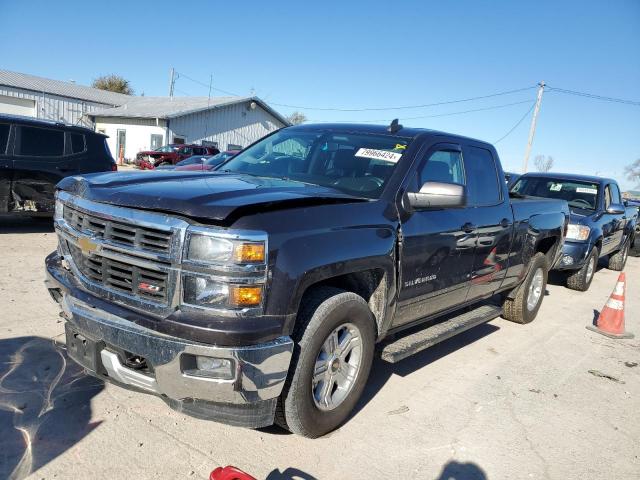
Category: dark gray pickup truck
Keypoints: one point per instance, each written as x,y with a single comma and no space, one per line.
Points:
257,293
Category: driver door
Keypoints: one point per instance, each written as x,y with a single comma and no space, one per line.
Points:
437,245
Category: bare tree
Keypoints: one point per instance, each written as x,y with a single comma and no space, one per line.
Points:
543,164
113,83
632,172
296,118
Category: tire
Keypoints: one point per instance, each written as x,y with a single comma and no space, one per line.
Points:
518,309
580,280
619,259
322,311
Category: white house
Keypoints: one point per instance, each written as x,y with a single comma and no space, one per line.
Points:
140,123
146,123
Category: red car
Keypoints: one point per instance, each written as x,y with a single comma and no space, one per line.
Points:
205,163
171,154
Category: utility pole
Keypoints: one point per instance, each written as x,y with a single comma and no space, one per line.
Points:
172,81
532,131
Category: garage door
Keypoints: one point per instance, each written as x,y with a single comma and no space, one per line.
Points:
17,106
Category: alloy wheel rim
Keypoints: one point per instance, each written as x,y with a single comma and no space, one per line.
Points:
337,367
535,289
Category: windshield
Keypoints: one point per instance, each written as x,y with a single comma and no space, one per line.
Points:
578,194
192,160
356,164
166,149
218,159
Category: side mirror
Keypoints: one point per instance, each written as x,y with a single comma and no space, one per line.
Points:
616,209
438,195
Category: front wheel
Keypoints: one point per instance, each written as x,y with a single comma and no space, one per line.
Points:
335,338
524,306
580,280
619,259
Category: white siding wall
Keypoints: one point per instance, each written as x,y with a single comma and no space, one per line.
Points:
54,107
138,134
235,124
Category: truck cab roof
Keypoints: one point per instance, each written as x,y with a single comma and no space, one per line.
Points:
405,132
571,176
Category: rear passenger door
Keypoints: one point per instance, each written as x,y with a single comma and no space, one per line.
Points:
492,217
40,162
6,168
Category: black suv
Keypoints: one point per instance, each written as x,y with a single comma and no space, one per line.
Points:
37,154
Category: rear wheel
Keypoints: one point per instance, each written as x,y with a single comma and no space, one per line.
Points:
619,259
581,279
524,305
335,339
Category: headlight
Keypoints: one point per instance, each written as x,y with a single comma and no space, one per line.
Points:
224,271
207,292
577,232
211,249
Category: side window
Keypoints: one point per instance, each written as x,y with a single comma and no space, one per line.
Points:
484,188
615,193
607,197
4,137
40,142
187,151
77,143
443,166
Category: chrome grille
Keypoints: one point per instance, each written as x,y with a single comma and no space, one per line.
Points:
152,239
127,278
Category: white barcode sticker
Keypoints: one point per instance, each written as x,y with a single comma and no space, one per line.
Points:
378,154
591,191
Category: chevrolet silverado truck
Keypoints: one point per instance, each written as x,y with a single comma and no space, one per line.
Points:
256,294
601,224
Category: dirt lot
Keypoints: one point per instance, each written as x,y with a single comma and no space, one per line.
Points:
504,401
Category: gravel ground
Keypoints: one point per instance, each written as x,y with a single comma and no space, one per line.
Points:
503,401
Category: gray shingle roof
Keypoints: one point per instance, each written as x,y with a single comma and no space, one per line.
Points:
65,89
166,107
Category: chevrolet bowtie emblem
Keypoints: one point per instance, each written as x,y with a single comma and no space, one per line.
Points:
87,246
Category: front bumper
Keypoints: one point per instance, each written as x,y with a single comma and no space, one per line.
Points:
574,255
247,398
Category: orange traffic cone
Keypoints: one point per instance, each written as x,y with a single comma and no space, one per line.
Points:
610,322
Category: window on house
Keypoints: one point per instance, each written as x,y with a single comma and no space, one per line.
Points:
233,146
156,141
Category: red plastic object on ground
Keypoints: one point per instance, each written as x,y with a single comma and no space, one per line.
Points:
611,320
230,473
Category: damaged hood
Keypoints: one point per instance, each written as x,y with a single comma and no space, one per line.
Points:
214,196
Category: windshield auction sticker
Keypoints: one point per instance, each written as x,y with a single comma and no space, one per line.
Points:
592,191
392,157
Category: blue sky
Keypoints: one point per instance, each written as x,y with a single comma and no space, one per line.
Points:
367,54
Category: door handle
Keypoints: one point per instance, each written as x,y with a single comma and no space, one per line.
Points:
468,227
504,223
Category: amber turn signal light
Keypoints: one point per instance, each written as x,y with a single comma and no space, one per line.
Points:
240,296
249,253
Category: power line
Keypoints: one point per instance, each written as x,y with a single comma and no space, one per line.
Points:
493,107
593,96
517,123
404,107
206,85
